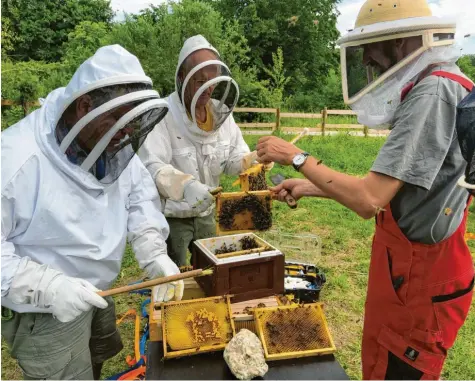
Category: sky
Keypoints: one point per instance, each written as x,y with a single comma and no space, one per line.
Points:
462,10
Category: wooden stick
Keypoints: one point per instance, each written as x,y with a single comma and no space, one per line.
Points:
151,283
291,202
215,191
241,252
299,136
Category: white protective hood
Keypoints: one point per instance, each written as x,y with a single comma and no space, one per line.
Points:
111,65
58,215
224,104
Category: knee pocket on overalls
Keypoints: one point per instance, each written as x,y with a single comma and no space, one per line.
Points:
399,359
45,369
451,310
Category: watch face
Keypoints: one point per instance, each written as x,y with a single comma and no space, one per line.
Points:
299,159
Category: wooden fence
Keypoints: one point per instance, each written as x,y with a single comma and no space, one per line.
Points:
264,128
320,127
25,105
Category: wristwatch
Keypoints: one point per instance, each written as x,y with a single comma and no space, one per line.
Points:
300,160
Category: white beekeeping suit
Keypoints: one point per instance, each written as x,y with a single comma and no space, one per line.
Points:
66,212
186,157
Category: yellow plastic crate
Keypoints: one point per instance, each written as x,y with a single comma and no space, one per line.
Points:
196,326
294,331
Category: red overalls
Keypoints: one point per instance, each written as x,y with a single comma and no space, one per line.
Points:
418,297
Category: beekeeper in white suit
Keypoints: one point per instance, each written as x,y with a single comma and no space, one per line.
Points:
73,192
194,144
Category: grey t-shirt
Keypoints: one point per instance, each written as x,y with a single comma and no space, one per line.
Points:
422,150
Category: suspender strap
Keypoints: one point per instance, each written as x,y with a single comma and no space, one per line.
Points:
454,77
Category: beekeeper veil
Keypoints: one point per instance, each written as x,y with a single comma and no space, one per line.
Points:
105,121
204,84
393,42
465,128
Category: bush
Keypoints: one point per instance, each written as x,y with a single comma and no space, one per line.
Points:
27,81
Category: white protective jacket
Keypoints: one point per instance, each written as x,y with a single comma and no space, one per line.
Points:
177,150
56,214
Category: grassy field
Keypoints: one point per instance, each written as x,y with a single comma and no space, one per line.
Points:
345,259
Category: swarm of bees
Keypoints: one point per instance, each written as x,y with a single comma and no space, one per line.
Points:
258,182
261,212
247,243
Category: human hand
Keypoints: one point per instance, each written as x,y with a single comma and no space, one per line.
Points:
70,297
297,188
163,266
273,149
198,196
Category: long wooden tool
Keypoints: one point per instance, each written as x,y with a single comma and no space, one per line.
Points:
299,136
155,282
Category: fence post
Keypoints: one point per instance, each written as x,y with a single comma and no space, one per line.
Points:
24,105
365,131
277,119
324,120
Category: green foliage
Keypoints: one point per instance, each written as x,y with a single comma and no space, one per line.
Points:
9,39
467,65
304,29
32,79
26,82
329,95
281,53
277,77
39,28
83,42
157,35
252,91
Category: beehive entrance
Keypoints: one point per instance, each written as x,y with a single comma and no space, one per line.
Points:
293,331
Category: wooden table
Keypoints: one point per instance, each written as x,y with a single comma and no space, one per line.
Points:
211,366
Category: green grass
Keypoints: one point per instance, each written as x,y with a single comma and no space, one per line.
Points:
346,241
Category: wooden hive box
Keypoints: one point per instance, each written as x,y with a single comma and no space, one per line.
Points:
245,274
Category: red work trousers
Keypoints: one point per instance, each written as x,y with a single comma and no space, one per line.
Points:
418,298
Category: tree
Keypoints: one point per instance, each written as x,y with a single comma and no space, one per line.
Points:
41,27
467,65
83,42
158,33
304,29
9,39
277,77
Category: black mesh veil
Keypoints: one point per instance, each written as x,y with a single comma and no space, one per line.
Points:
105,140
466,135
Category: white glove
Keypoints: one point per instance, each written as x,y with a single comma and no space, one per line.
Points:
69,297
171,182
197,196
160,267
45,287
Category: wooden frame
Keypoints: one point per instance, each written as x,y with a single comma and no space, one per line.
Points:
209,348
293,355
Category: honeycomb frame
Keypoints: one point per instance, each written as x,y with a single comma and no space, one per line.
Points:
195,306
270,330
